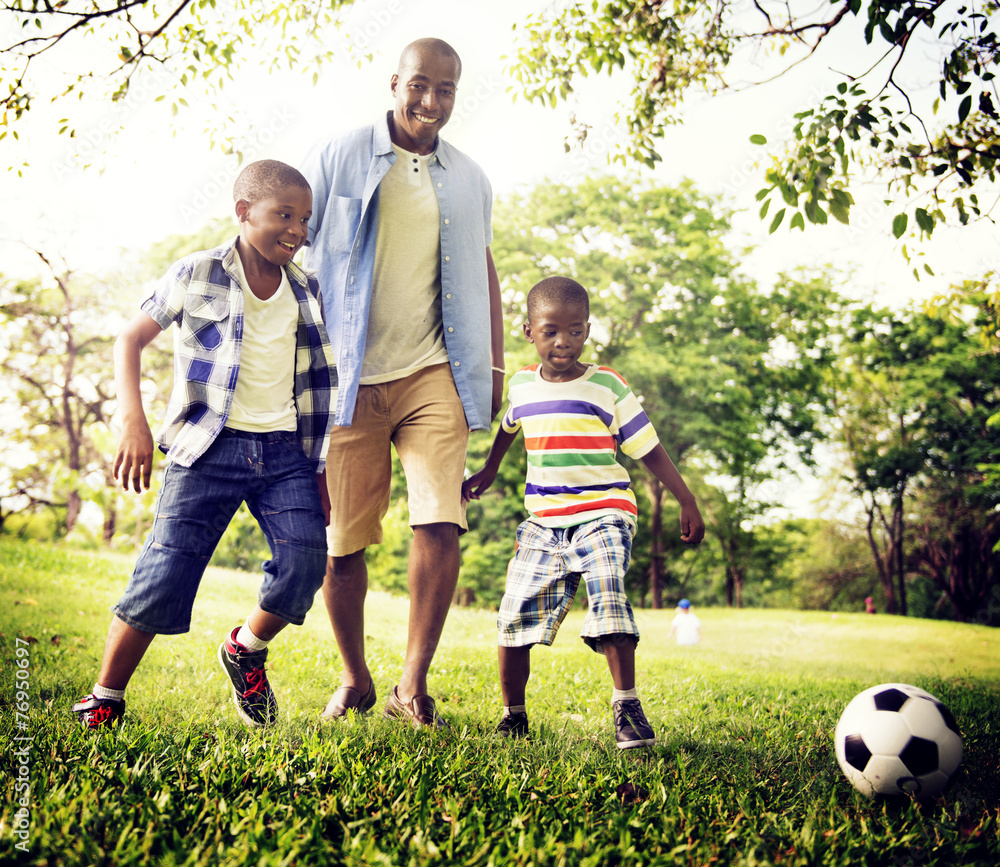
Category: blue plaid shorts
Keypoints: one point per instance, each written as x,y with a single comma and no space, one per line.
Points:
545,571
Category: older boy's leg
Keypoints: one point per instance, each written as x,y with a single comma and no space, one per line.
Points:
632,729
619,651
515,669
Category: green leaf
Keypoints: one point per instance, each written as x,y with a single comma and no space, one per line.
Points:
963,109
763,208
899,225
776,221
797,222
758,139
924,220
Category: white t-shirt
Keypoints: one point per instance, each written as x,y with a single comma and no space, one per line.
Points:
405,328
263,400
686,626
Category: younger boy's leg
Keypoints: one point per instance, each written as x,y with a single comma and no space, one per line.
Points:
515,669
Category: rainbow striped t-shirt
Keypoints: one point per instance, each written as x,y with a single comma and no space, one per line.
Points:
571,432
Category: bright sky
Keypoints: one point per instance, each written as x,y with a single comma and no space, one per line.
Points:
147,182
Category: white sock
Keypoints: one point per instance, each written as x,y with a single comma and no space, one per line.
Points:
103,692
250,641
513,709
622,694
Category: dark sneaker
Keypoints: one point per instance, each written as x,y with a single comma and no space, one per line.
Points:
348,698
513,725
631,727
252,693
419,711
97,713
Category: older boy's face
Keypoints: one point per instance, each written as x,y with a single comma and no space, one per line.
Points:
275,227
424,89
559,332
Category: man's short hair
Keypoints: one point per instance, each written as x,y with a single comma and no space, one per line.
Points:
264,178
557,290
429,43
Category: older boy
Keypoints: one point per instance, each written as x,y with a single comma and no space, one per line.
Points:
574,416
248,421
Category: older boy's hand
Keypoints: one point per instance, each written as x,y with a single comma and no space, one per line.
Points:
134,460
476,485
692,525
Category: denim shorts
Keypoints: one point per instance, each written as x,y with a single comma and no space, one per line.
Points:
545,572
268,471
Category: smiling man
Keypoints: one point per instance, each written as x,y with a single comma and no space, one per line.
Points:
400,235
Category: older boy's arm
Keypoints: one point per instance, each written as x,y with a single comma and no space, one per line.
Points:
478,483
134,460
659,464
496,334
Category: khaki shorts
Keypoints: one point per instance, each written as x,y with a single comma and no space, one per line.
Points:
422,416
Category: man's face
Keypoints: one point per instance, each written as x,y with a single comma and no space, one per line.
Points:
424,89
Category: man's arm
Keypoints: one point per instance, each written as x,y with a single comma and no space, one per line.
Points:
134,459
478,483
496,335
659,464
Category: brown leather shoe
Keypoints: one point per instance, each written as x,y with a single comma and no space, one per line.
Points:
419,711
348,698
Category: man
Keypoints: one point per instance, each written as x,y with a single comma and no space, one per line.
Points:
400,238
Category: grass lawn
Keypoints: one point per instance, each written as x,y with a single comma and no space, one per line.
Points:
743,772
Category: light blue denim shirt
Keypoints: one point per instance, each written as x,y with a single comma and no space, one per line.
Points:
345,174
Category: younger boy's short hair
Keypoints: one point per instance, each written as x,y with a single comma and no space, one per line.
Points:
557,290
262,180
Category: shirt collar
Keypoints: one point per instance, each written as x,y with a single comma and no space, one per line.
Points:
383,143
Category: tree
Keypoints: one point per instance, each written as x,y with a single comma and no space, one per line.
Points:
181,43
871,119
917,424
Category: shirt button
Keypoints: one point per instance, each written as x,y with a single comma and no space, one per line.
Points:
446,258
447,221
440,185
458,364
448,295
450,330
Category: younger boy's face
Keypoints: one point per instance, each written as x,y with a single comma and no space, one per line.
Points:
275,227
559,333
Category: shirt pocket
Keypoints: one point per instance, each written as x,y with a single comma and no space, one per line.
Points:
205,321
343,217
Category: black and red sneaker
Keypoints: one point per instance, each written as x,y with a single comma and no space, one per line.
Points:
255,702
97,713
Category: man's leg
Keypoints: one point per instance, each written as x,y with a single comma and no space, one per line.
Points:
433,575
344,591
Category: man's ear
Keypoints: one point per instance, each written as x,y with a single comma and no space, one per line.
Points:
393,82
242,209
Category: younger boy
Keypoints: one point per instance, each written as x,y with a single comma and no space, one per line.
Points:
248,421
574,416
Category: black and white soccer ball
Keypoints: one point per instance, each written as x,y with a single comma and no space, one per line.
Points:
897,739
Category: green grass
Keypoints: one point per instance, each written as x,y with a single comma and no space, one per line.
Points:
743,772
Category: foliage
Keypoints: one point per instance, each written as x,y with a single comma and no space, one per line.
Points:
179,44
916,414
743,771
872,119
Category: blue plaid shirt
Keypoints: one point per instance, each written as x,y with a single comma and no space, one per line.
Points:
201,294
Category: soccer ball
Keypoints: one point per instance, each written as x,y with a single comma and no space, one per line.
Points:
897,739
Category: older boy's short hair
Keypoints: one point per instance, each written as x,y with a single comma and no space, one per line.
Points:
264,178
557,290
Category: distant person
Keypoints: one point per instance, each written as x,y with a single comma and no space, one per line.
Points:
247,421
401,244
686,624
869,605
582,510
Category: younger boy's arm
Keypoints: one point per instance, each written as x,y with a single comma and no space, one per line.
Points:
134,460
478,483
659,464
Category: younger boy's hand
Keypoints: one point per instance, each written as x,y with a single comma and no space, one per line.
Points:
134,460
692,525
476,485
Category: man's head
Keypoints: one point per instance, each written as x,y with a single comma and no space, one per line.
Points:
558,324
424,87
273,204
